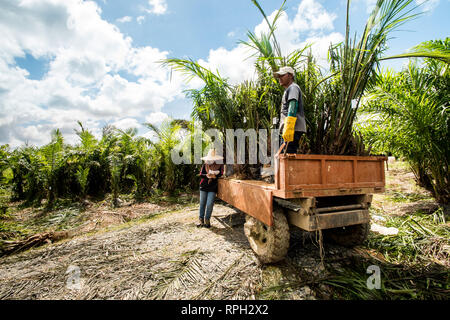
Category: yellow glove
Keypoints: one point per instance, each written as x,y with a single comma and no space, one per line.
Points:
288,130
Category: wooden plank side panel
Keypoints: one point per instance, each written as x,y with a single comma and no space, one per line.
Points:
332,157
353,190
253,199
303,172
328,220
337,172
369,171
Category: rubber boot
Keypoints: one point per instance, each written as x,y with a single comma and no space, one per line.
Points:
207,223
200,223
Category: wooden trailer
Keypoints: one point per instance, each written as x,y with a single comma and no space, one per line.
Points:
312,192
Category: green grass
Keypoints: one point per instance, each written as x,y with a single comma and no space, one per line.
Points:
398,282
397,196
415,263
422,237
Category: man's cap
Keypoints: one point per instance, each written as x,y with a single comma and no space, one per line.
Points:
283,71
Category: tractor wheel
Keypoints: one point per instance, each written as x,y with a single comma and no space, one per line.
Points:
269,243
348,236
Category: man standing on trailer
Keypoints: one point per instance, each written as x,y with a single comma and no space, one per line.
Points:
292,118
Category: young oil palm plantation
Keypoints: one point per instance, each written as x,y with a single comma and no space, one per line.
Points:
354,64
25,182
409,115
331,102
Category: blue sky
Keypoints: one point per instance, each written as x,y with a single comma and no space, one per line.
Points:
97,61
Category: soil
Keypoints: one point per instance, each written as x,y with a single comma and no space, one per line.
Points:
167,257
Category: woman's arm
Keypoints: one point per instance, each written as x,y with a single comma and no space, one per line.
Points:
220,171
203,172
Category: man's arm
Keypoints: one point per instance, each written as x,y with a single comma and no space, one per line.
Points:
290,120
293,108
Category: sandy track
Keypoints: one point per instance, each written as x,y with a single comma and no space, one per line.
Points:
167,257
164,258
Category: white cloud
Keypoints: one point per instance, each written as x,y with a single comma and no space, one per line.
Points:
127,123
312,24
428,5
311,15
156,117
97,76
235,64
157,7
85,55
140,19
124,19
311,20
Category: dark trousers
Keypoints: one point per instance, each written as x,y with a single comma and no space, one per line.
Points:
293,145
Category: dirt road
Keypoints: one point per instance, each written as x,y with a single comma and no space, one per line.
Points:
167,257
160,254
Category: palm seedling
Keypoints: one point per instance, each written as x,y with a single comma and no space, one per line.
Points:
82,178
164,171
51,158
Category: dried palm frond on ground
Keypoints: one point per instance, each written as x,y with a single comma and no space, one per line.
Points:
163,255
165,258
10,246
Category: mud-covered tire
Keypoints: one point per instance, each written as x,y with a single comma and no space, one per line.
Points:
348,236
270,244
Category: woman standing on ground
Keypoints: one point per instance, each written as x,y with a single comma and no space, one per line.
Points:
209,174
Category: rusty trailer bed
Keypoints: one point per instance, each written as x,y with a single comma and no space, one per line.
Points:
302,176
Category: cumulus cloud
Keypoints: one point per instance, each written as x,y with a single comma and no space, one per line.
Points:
156,117
124,19
428,5
97,76
236,65
312,24
126,123
85,56
157,7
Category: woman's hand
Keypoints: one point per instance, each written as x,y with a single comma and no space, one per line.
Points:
211,176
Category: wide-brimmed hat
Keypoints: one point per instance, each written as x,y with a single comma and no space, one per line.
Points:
283,71
212,156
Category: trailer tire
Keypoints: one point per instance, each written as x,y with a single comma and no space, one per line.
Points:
348,236
270,244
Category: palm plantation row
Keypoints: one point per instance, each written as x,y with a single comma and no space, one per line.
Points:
119,162
351,106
